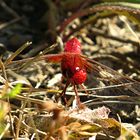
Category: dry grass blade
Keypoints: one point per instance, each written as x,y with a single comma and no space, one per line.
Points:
24,125
108,87
115,7
20,64
6,24
36,101
23,47
30,61
91,102
3,69
8,9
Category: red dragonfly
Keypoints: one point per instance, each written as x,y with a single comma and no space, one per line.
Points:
75,67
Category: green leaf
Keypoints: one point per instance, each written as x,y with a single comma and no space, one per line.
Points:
15,91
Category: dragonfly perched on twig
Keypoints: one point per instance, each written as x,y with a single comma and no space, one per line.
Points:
75,68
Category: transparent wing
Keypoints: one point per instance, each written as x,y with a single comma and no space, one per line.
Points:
117,83
21,64
100,76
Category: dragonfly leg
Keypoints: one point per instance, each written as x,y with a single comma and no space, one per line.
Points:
80,105
83,87
64,91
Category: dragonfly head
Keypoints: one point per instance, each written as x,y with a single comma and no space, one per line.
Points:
73,46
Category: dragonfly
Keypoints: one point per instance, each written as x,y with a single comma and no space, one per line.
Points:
75,68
